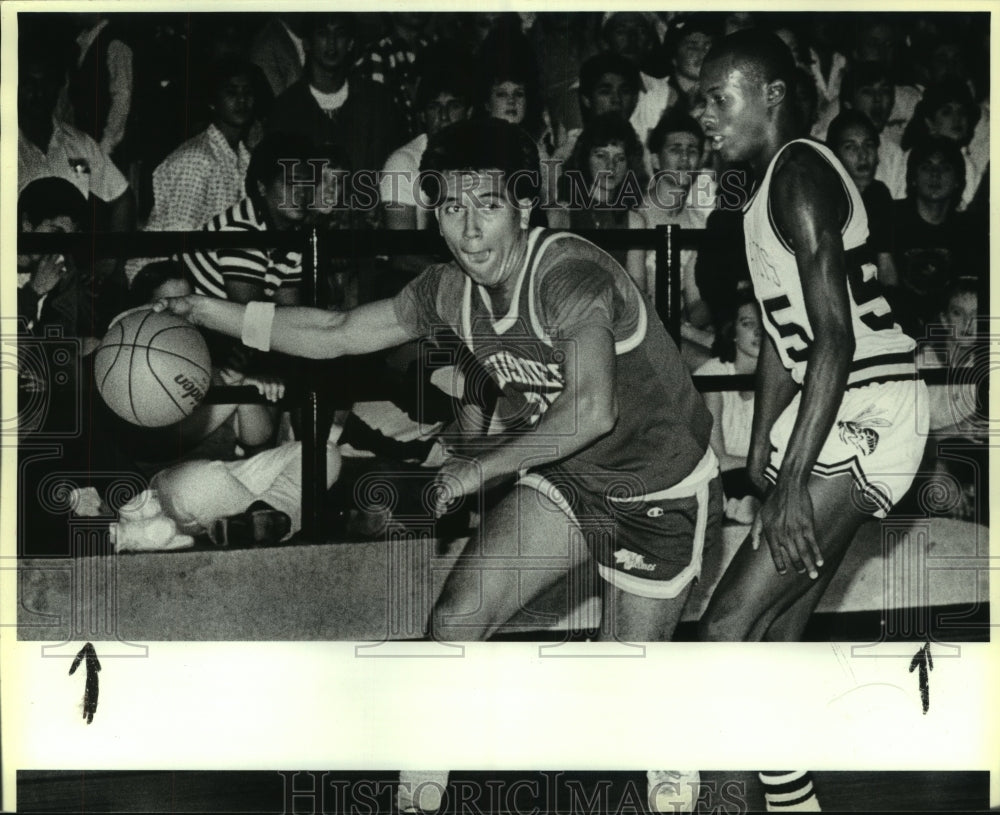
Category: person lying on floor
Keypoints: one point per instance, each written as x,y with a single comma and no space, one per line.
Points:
258,500
251,501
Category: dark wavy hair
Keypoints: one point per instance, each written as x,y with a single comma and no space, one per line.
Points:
273,154
674,121
848,117
724,346
923,150
607,62
600,131
51,197
482,145
507,56
935,97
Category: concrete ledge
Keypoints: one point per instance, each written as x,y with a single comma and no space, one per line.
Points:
385,590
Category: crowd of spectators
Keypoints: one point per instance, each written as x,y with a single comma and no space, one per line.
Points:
181,122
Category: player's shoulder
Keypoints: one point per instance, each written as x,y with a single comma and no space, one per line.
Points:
802,157
555,246
803,173
568,267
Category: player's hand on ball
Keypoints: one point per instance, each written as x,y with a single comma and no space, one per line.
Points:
785,521
180,306
457,478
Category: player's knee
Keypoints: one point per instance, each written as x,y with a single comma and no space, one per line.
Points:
189,493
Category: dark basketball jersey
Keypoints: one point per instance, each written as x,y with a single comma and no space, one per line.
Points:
566,282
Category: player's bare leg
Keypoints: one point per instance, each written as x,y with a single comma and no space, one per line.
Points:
752,596
523,546
631,618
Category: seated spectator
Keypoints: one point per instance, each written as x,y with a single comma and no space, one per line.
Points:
878,39
100,90
47,147
631,35
278,50
563,41
50,294
947,110
953,408
444,96
952,57
206,174
677,144
854,140
927,218
276,199
508,86
868,88
602,187
330,107
348,277
736,350
609,83
688,40
53,309
394,62
956,417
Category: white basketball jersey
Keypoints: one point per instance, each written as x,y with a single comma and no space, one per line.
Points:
882,351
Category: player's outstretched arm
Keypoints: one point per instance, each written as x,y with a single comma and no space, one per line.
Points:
810,205
298,330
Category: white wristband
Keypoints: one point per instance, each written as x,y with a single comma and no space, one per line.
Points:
257,320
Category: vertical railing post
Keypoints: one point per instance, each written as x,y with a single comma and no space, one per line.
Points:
313,445
674,251
667,297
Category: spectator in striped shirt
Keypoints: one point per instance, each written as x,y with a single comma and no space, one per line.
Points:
280,194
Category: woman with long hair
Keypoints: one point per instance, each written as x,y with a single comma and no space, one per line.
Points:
737,346
602,187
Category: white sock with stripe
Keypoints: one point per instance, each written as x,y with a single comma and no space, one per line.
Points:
789,791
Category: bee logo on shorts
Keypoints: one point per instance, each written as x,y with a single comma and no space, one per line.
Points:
859,431
628,559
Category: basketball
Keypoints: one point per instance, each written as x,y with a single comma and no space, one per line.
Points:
152,368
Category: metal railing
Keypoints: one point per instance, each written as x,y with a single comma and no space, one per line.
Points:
317,247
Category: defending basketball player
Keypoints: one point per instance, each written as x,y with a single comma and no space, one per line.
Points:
597,429
836,437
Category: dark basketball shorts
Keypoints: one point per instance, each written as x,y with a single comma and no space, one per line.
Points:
649,545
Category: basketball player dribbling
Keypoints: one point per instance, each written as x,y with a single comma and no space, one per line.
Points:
838,431
597,431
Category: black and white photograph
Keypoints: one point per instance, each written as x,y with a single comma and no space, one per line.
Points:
366,358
